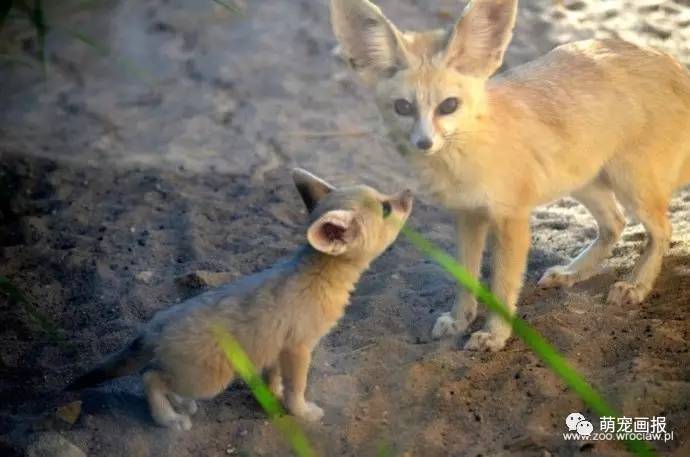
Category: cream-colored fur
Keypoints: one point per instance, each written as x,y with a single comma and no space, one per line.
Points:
602,120
277,316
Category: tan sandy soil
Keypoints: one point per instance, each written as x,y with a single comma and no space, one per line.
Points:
104,177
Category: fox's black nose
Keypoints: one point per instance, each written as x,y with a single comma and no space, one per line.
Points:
424,143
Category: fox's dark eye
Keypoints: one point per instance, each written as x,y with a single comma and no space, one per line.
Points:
386,206
448,106
403,107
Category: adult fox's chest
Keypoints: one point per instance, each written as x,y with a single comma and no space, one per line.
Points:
452,187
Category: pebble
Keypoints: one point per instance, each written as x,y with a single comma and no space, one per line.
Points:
145,276
70,412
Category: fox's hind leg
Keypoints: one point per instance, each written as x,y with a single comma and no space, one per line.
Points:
601,202
651,210
157,392
294,365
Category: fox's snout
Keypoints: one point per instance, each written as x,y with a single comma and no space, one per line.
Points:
424,136
404,202
424,143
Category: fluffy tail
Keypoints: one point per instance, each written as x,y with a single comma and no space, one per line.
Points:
127,361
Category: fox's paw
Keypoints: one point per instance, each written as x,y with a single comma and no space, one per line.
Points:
625,293
447,326
275,385
184,405
310,412
277,389
485,342
179,422
189,407
558,276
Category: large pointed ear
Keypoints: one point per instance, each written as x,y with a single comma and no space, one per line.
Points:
373,45
334,232
311,188
481,36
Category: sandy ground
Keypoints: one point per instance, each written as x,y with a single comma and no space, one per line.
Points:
104,177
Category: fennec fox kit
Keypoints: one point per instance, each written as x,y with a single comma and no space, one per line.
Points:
277,315
600,120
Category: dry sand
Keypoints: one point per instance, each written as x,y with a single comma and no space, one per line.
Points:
111,188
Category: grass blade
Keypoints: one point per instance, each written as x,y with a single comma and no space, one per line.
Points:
229,6
270,404
104,50
39,21
5,7
11,291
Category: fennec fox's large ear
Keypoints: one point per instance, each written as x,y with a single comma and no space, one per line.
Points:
334,232
311,188
372,43
481,36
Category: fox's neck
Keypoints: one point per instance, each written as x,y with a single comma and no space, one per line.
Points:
327,280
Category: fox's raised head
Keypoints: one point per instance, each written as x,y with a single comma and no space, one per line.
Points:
355,222
429,85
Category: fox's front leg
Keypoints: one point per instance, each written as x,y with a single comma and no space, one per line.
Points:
275,380
512,239
294,365
472,228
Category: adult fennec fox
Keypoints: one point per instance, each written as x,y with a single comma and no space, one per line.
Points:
277,316
604,121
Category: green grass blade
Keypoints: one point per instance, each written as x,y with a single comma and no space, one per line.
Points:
11,291
245,369
104,50
42,26
39,21
384,450
229,6
529,335
5,7
100,48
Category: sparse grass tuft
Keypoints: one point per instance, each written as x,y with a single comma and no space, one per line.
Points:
47,326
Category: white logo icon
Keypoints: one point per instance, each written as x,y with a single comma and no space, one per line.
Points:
576,421
584,428
573,419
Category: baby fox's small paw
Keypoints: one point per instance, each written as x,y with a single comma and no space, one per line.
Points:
447,326
485,341
310,412
625,293
183,422
184,405
179,422
190,407
558,276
